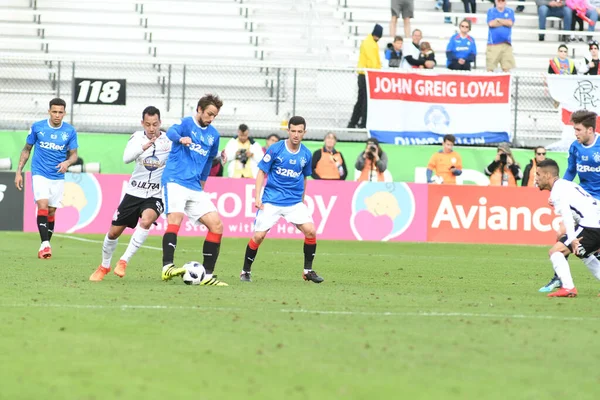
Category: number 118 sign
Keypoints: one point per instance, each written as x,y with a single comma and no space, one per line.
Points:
100,91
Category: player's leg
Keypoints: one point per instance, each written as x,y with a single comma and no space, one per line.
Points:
41,194
264,220
300,216
561,266
51,221
588,246
212,243
108,248
150,211
57,188
175,198
554,282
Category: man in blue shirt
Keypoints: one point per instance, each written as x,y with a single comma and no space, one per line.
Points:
461,50
584,161
56,145
287,166
500,20
195,145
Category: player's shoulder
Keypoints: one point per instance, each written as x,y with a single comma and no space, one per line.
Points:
305,149
40,124
211,130
276,147
68,127
136,135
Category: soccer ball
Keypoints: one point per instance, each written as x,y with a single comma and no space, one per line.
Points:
194,273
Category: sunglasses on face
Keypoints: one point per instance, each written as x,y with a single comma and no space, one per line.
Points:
464,26
541,154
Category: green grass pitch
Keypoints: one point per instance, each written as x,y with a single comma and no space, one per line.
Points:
391,321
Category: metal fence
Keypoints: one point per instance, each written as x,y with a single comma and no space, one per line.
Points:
260,95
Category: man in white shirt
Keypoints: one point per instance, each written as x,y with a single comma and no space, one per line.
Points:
143,197
243,155
581,219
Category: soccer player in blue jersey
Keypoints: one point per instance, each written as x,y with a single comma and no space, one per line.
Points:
287,165
56,146
584,161
195,145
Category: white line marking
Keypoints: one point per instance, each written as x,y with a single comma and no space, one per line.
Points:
429,314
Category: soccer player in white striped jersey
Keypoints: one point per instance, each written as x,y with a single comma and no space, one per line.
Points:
581,218
149,149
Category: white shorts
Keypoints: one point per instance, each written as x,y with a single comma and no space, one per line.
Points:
267,217
192,203
50,189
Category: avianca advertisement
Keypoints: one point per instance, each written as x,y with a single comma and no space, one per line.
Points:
373,211
420,108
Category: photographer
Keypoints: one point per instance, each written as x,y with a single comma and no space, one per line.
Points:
504,170
243,155
327,162
372,162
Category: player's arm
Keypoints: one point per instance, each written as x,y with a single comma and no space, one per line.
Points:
258,185
25,153
63,166
175,135
571,170
134,148
304,191
214,150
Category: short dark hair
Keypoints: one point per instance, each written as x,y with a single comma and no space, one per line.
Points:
585,118
373,140
243,128
451,138
274,135
535,149
209,100
551,165
57,101
151,111
563,46
297,120
398,38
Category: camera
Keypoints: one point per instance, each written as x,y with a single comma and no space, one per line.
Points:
241,156
503,158
373,148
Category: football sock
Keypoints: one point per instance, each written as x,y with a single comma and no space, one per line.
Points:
310,248
169,243
251,250
137,239
108,248
593,265
212,245
51,219
561,267
42,223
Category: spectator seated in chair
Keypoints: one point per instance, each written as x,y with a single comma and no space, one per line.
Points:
553,8
461,50
562,65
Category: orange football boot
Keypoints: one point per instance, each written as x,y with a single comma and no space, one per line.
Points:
120,268
99,273
562,292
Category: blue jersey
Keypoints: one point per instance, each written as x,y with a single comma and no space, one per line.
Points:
285,174
585,162
501,34
461,48
188,165
51,146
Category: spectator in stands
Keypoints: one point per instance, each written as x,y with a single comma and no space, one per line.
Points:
553,8
446,163
529,173
372,162
243,154
406,9
562,65
504,170
584,10
500,20
327,162
590,66
393,53
426,54
461,50
368,58
520,9
272,138
412,51
596,5
470,6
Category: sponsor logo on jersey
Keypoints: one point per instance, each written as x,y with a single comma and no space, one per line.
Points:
51,146
151,163
287,172
145,185
584,158
198,149
267,157
280,159
587,168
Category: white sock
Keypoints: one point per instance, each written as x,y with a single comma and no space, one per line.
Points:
207,277
108,248
306,271
44,244
137,239
593,265
562,269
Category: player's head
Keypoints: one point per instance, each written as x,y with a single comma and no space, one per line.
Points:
330,140
563,52
243,133
296,129
448,144
151,120
57,109
272,138
546,173
207,110
540,154
584,123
